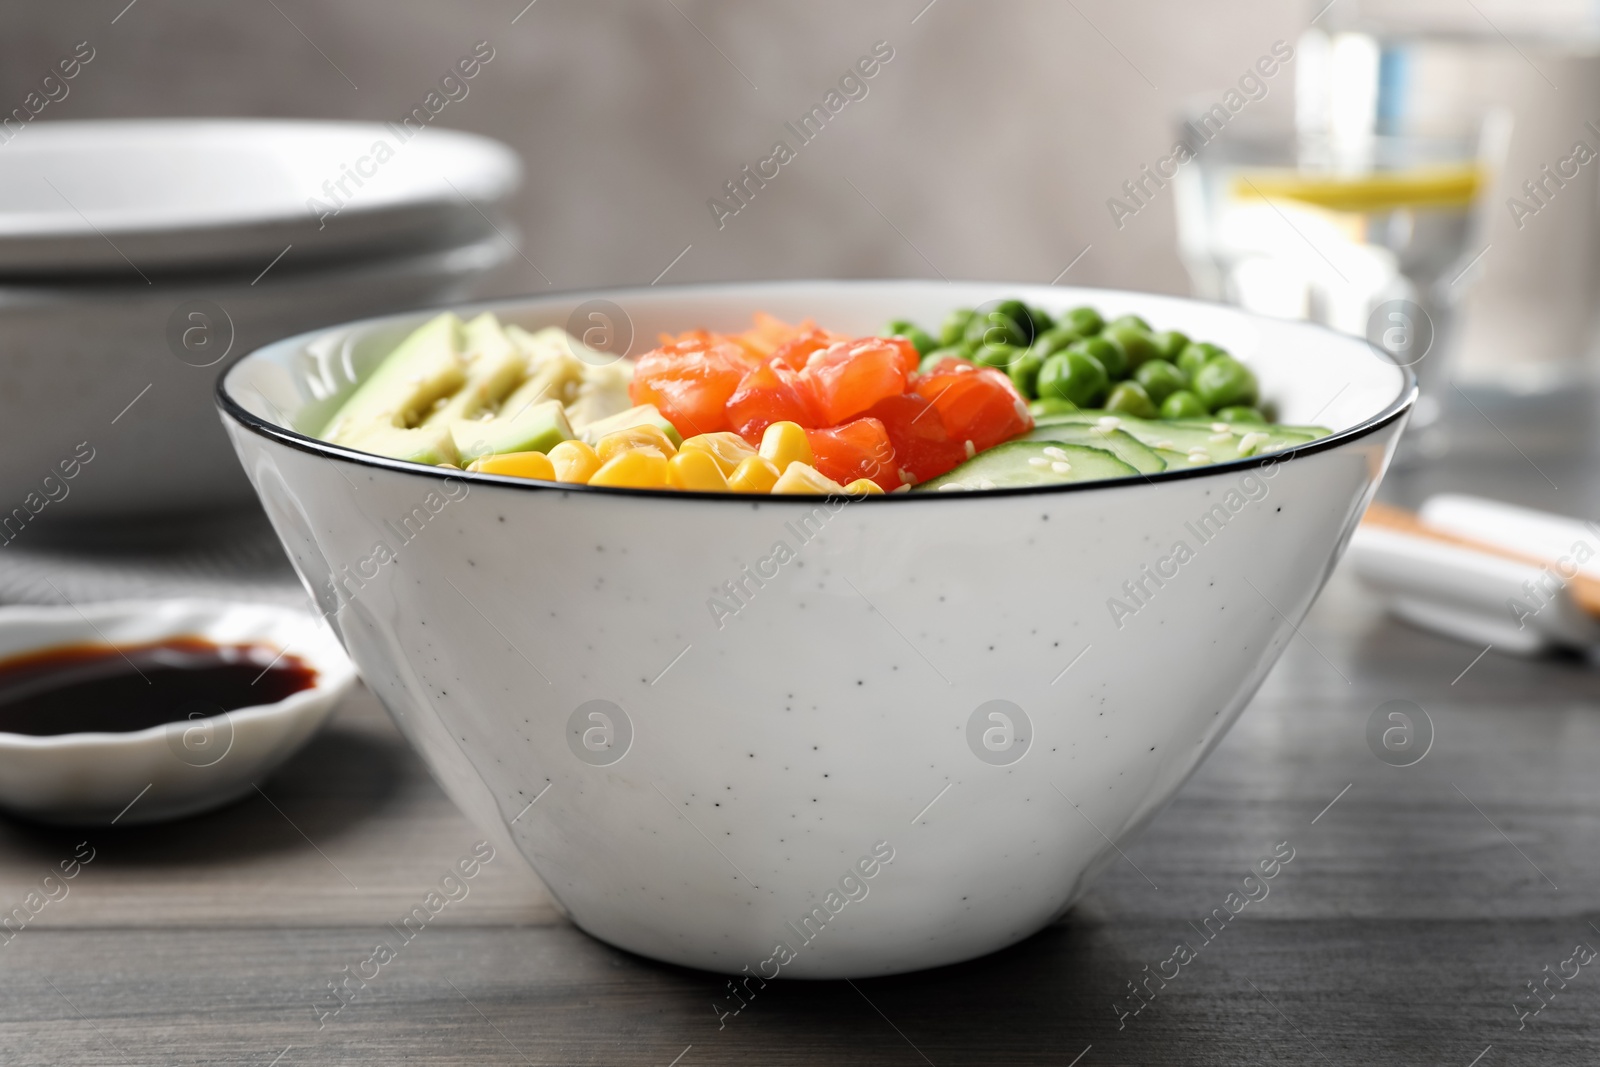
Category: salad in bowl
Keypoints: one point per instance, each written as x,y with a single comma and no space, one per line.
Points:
799,409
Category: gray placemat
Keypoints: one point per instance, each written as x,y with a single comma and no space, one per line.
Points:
233,557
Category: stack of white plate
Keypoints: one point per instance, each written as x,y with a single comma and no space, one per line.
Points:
137,257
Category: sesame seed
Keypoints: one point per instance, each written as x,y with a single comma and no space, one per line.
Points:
1251,442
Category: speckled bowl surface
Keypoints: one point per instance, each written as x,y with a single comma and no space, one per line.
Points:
811,738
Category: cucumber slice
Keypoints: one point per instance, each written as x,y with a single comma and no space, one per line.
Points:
1069,418
1120,443
1219,440
1276,427
1177,461
1025,463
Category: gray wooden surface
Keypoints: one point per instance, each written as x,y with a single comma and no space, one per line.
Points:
1416,907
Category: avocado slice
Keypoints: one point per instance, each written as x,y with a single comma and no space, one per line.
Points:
494,366
602,394
426,367
495,411
534,428
643,415
555,378
432,445
591,383
452,392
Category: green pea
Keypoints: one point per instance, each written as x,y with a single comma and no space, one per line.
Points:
1025,373
1137,343
994,328
1055,339
920,339
1196,355
1107,351
1085,320
1169,343
955,326
1160,379
1000,357
1075,376
1240,414
1021,314
932,359
1129,398
1130,320
1041,320
1224,382
1183,405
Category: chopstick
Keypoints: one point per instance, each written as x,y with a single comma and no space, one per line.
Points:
1584,589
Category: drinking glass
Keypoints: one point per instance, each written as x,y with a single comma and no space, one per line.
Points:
1373,235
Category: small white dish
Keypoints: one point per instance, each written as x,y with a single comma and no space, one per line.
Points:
176,769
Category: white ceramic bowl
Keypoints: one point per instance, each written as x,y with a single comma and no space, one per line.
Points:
123,373
116,196
525,635
184,767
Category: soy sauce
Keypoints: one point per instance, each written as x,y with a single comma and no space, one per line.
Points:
98,688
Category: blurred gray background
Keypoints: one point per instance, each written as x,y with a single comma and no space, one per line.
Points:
987,147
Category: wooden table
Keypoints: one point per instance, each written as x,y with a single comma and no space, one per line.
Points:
1419,902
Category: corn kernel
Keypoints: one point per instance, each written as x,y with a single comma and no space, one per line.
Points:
636,468
755,475
642,436
694,469
516,465
804,478
785,443
726,447
574,461
864,487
